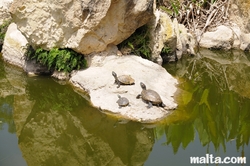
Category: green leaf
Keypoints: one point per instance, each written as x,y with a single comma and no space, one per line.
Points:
188,135
186,97
131,45
204,98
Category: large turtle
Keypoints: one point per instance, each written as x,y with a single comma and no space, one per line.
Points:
150,96
123,79
122,101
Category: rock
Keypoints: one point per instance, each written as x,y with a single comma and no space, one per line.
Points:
241,40
60,75
33,68
82,25
4,10
161,34
13,52
237,35
5,3
167,33
185,41
221,38
14,46
239,14
245,41
98,81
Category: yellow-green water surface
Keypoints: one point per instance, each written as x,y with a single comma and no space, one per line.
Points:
44,123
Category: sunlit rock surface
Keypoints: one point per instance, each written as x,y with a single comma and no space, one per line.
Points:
85,26
221,38
226,37
13,52
4,10
161,33
13,47
98,81
231,35
239,14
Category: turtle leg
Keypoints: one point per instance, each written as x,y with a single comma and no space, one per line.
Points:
150,104
118,84
138,96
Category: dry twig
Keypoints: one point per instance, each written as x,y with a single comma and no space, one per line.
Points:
198,15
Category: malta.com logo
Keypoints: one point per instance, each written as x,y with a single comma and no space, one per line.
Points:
210,159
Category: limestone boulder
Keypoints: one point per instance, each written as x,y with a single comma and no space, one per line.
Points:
86,26
235,35
239,13
167,33
98,81
14,46
4,10
221,38
162,33
185,41
13,52
241,39
226,38
5,3
245,41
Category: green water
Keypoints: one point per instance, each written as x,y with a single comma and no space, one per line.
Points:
43,122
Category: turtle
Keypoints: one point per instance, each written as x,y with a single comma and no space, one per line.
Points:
122,101
150,96
123,79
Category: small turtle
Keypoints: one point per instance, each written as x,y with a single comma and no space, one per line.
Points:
123,79
150,96
122,101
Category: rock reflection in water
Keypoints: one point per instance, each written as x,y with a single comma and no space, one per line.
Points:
58,127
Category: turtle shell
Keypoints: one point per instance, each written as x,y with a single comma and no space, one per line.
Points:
122,101
152,96
126,79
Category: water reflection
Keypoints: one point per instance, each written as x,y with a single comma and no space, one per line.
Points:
214,101
6,113
56,126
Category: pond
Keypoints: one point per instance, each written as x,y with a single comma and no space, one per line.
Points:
45,122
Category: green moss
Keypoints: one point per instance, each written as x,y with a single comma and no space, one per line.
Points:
138,42
166,50
3,29
59,59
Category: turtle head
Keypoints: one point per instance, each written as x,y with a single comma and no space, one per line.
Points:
143,86
114,74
